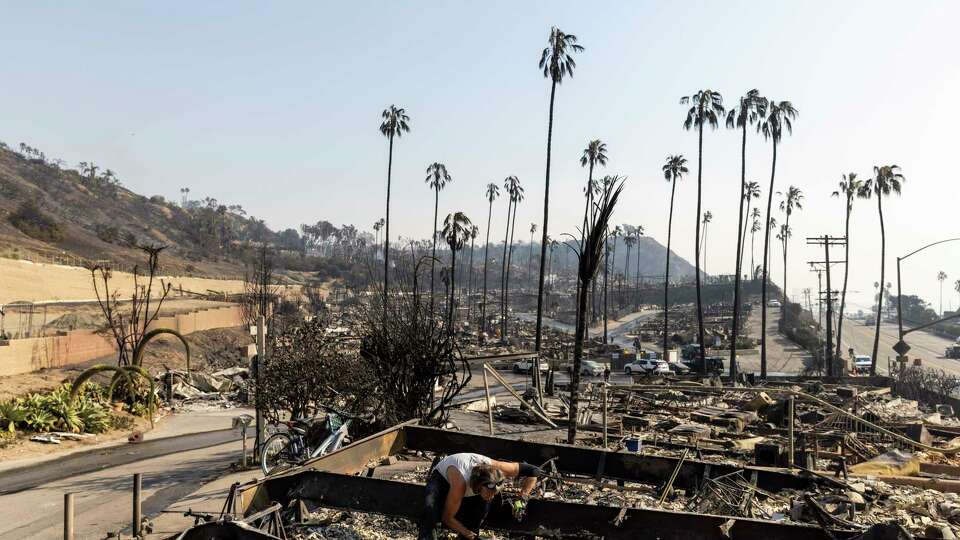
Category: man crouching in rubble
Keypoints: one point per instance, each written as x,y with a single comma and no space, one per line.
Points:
461,489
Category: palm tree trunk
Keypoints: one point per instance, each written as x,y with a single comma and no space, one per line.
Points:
386,236
700,329
883,258
588,195
786,238
503,277
473,241
763,286
530,260
666,276
506,293
626,273
433,260
606,268
636,299
543,242
453,287
740,229
846,275
486,259
579,336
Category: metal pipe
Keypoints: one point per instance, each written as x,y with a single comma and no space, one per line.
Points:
68,516
137,507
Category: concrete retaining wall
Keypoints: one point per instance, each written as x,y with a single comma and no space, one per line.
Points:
78,346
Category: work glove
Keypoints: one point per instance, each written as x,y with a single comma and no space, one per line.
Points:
519,508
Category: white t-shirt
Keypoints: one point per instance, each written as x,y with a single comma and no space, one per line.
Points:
464,464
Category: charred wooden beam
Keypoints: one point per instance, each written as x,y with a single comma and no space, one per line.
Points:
545,517
653,470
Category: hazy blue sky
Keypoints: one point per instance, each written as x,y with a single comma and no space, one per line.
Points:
275,106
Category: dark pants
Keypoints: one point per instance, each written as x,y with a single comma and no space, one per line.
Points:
472,512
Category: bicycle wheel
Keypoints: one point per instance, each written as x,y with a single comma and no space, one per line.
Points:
277,454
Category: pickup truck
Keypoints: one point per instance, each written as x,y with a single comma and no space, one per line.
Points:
526,366
861,363
646,365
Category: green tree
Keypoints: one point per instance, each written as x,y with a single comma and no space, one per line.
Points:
848,188
673,170
493,191
456,231
886,179
776,116
394,123
557,62
437,178
706,107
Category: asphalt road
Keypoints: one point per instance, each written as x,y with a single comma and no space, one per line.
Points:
927,347
16,480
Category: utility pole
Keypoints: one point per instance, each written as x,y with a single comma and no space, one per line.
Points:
826,241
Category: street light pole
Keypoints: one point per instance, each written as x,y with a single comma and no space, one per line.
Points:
901,347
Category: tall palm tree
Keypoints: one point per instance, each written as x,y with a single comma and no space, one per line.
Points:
745,114
941,277
956,287
394,123
886,179
594,154
515,191
777,116
753,231
752,192
849,188
673,170
707,218
630,239
474,233
557,62
533,229
606,271
706,107
792,200
456,229
589,252
493,191
437,177
638,231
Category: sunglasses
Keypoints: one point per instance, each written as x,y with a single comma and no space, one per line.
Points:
493,485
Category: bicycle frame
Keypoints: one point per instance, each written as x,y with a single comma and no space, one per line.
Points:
333,441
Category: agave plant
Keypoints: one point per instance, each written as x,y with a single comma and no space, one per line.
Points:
64,410
11,414
95,418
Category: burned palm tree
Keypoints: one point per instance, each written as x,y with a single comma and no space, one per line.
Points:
590,252
456,230
493,191
395,123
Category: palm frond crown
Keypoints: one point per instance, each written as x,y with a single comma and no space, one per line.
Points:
706,108
437,176
394,122
557,61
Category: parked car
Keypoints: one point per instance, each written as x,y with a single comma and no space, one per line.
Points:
588,368
773,303
710,364
526,366
861,363
678,368
646,365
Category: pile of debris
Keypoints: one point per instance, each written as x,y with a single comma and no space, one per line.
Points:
230,384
